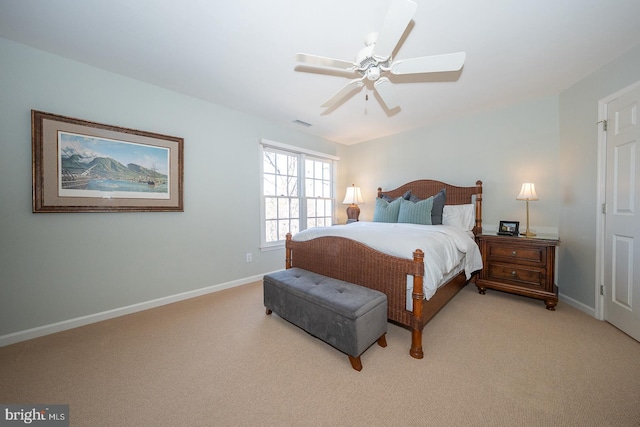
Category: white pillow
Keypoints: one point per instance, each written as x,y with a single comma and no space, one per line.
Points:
459,216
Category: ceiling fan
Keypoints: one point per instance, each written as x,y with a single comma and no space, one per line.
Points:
375,63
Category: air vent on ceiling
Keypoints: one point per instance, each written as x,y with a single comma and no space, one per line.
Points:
301,123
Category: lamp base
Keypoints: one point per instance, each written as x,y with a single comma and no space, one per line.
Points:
528,233
353,212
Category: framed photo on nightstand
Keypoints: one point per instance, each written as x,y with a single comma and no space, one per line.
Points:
509,228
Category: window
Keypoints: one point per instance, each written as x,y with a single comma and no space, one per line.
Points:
297,191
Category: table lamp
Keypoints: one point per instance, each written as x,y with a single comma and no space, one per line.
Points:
528,192
353,197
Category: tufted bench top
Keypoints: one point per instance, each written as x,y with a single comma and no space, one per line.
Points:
344,298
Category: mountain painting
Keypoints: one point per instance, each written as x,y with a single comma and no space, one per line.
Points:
90,166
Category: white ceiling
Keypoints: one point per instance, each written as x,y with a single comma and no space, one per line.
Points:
240,54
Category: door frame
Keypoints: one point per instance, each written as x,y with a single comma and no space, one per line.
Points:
603,105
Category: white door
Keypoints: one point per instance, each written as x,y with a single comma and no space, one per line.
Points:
622,218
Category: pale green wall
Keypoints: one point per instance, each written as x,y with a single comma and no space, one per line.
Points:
55,267
503,148
578,172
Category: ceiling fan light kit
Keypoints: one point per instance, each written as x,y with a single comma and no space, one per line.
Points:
374,62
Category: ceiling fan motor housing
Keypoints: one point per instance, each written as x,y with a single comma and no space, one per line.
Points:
370,66
374,62
373,73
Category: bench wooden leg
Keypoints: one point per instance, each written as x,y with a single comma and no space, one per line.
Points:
269,312
356,363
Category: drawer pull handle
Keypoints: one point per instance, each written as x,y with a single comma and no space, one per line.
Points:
514,253
514,274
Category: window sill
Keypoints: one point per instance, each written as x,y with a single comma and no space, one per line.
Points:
272,247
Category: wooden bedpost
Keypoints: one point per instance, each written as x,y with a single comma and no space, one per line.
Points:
418,300
478,228
288,251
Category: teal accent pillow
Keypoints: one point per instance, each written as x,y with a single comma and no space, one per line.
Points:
386,211
416,213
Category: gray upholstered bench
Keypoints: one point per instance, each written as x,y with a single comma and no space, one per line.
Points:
347,316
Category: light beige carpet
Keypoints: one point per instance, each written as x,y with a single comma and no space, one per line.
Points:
218,360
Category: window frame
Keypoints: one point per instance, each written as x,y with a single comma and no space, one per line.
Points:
302,155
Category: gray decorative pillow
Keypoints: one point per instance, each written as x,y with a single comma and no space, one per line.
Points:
385,211
406,196
386,198
413,198
439,201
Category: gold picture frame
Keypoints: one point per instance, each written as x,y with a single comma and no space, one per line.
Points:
83,166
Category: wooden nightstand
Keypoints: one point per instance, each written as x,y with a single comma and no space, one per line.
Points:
519,265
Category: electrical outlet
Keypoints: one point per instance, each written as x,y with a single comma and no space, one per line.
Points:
249,257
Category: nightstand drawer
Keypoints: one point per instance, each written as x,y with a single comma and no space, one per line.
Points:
519,253
523,266
517,274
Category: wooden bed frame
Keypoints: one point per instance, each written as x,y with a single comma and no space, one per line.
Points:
354,262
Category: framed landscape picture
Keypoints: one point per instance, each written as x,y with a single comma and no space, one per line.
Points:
81,166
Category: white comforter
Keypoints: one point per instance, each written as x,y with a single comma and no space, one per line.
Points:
444,247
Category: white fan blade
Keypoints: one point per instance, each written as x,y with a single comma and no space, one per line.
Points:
429,64
395,23
353,85
322,61
384,89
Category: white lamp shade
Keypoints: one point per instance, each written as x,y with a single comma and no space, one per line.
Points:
528,192
354,196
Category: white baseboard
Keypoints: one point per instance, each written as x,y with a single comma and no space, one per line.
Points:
591,311
40,331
